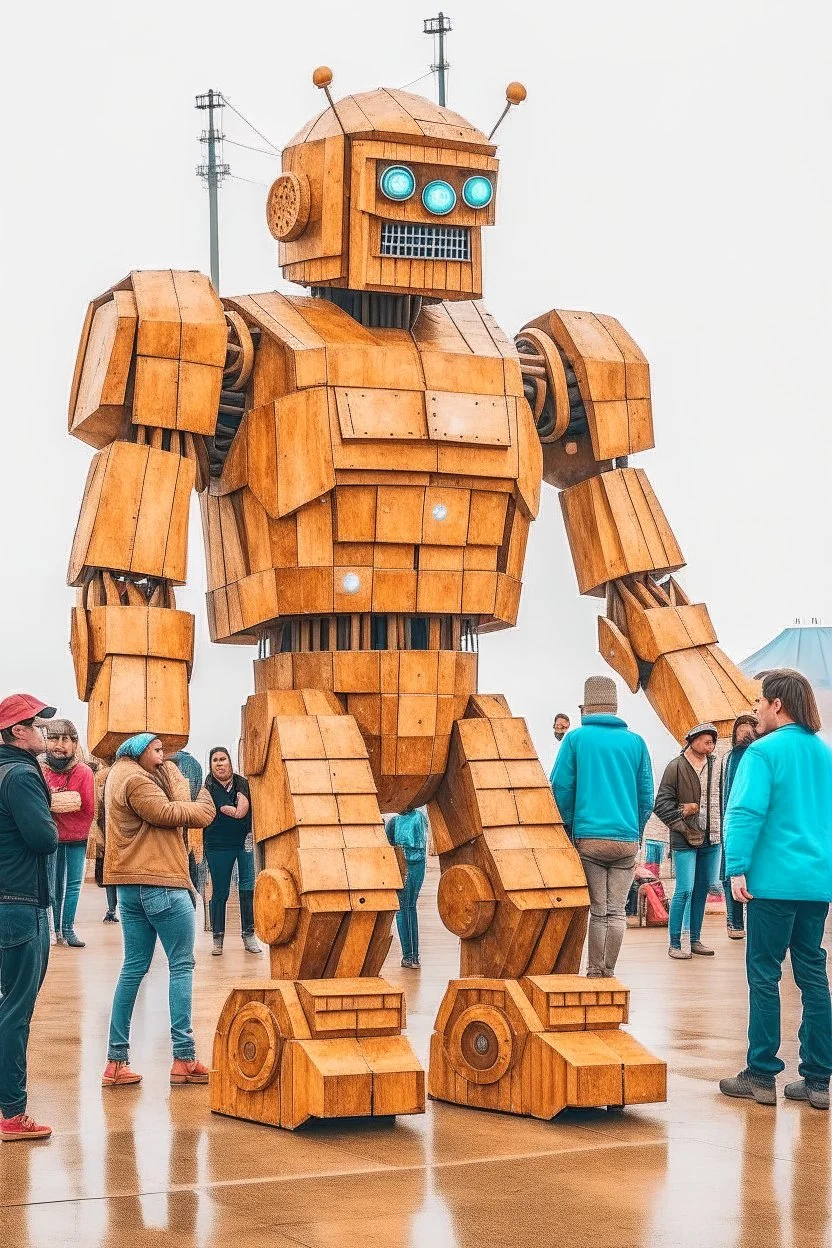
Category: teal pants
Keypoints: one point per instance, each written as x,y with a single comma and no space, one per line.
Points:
775,928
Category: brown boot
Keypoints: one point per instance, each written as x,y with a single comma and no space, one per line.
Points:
118,1074
188,1072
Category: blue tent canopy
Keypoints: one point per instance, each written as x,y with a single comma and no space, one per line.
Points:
805,648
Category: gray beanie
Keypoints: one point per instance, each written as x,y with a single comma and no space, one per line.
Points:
61,728
601,695
700,730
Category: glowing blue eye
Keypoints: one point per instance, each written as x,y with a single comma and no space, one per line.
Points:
398,182
478,192
351,583
439,198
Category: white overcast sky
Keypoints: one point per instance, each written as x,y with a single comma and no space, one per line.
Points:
670,167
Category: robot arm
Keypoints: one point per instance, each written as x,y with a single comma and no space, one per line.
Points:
588,385
146,394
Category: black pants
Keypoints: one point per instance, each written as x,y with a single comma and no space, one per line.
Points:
24,956
221,865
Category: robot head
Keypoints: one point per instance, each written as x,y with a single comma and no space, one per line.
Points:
386,191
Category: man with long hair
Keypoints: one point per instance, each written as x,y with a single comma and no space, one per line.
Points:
778,856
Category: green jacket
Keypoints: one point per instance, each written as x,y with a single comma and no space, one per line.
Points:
28,834
778,824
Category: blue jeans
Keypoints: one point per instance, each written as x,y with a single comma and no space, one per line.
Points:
406,919
696,874
775,928
24,957
148,912
66,872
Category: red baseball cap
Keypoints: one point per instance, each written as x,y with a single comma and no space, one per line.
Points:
20,706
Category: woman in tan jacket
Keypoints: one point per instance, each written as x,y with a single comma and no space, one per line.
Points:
147,812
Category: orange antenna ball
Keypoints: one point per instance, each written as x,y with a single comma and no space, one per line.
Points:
515,94
322,77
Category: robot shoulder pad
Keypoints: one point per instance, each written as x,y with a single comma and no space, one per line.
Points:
164,330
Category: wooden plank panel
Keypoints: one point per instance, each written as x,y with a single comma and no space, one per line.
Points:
103,368
399,514
382,413
304,453
476,419
155,391
160,321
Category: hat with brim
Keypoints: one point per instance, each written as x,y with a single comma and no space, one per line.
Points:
18,707
702,730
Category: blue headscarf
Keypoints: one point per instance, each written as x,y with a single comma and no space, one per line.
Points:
134,747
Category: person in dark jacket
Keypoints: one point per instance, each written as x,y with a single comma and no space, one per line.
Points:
28,836
197,866
744,732
228,840
688,803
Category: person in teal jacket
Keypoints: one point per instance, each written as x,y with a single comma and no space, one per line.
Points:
603,784
409,832
778,855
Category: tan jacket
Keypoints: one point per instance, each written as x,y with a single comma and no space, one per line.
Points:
145,822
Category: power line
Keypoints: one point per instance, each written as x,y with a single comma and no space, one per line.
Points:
275,150
264,150
413,82
236,178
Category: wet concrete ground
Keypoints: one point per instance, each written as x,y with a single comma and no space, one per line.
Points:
150,1165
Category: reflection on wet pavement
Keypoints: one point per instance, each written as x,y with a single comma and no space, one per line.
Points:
141,1165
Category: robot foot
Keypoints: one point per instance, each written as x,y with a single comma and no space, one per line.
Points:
286,1051
539,1045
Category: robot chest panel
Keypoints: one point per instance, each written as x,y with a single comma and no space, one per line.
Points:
434,431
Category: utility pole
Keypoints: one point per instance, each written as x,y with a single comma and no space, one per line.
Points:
439,25
213,173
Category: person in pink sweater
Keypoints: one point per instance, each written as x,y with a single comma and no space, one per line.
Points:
73,808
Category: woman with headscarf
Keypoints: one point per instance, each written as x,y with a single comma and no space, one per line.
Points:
147,811
227,840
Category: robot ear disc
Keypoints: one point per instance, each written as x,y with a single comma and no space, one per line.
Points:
287,208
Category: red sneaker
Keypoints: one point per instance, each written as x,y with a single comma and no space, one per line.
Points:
188,1072
118,1074
21,1127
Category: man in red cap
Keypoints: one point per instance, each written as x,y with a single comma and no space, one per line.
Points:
28,836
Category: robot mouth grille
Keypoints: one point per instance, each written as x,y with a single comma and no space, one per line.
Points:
425,242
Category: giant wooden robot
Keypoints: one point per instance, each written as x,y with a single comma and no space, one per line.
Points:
369,459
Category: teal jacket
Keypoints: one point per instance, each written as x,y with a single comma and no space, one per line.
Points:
778,825
602,780
409,830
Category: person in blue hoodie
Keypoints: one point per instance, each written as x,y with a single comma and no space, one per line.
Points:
603,784
778,855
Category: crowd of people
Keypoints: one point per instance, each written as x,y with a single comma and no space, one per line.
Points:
159,836
759,817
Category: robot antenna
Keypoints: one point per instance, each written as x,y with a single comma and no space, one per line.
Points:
515,94
322,78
